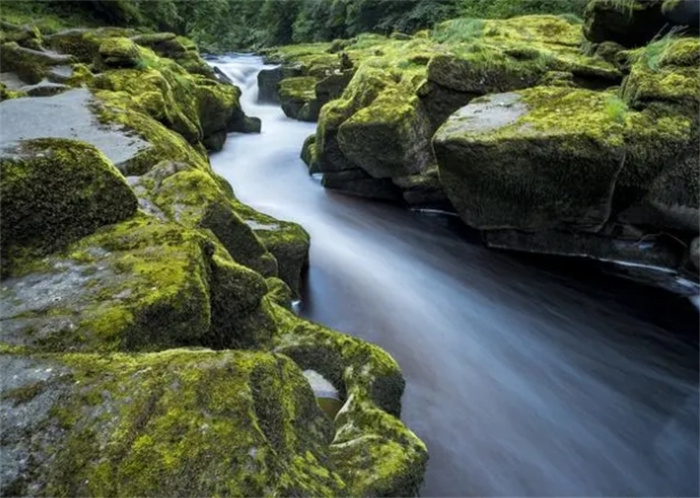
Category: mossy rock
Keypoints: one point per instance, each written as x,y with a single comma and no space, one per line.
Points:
55,191
295,94
179,422
549,157
374,453
308,153
139,285
389,137
118,109
666,73
288,242
631,23
119,52
84,44
29,64
194,199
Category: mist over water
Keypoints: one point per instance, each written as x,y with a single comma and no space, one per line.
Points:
521,379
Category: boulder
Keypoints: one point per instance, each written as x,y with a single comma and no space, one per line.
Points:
193,198
268,79
298,98
288,242
138,285
551,157
177,422
375,455
631,23
55,191
119,52
389,137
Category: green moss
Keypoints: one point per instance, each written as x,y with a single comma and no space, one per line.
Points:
665,72
187,423
55,191
373,451
616,108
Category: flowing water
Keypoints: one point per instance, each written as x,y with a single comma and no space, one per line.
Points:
521,378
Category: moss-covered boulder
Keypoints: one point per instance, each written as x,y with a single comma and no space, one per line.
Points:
268,79
119,52
138,285
31,65
179,422
55,191
373,452
193,198
550,157
288,242
298,98
631,23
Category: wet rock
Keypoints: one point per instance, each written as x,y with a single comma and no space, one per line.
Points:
298,98
44,88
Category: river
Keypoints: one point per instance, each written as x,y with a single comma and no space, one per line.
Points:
523,379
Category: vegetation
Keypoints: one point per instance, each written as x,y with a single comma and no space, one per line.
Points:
218,25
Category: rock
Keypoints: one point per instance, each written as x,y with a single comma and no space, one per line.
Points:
308,152
119,52
665,74
193,198
215,142
69,115
55,191
177,422
374,455
672,201
138,285
682,12
268,79
388,138
286,241
246,124
653,253
358,183
424,190
631,24
566,151
332,87
44,88
694,252
298,98
608,50
30,65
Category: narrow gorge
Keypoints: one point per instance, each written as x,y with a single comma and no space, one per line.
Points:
454,261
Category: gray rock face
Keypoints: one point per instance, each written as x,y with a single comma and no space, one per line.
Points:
67,115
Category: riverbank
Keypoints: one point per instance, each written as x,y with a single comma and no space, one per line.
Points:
148,344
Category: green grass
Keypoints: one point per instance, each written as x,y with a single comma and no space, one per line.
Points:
458,30
654,53
616,109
